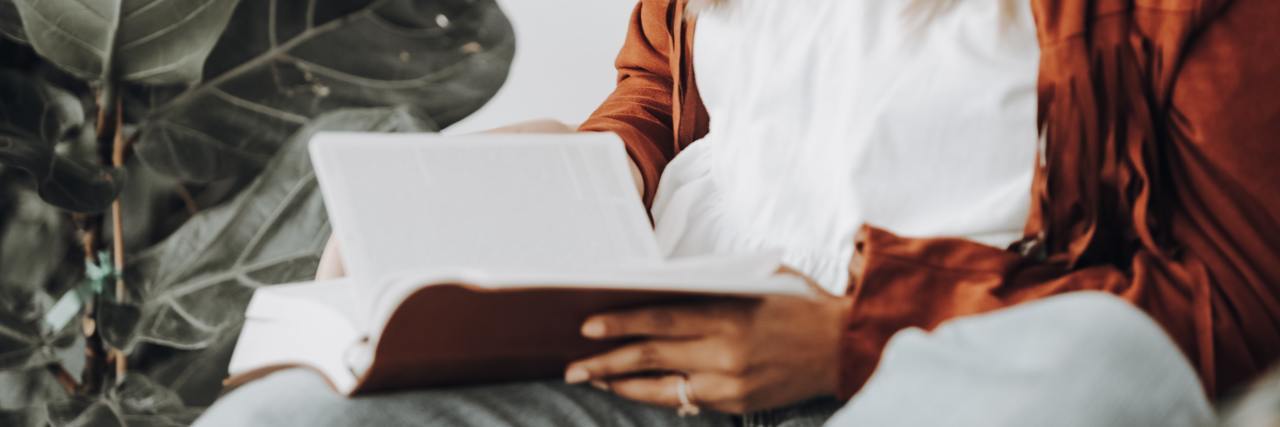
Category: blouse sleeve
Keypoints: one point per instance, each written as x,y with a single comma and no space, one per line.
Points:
640,108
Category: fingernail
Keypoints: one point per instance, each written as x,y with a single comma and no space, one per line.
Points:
600,385
576,375
593,329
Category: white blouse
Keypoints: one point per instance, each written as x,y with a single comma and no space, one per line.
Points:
828,114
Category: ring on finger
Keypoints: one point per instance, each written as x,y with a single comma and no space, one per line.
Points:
685,392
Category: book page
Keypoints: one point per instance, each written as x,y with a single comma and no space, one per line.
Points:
315,325
348,298
491,202
726,275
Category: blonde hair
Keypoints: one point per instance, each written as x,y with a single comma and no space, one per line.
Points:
924,9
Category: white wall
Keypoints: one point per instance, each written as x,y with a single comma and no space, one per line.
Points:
563,67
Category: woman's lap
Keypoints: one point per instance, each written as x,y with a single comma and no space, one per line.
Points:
301,398
1082,359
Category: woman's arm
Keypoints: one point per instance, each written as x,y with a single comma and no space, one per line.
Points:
640,108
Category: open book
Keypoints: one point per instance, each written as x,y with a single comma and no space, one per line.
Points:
476,259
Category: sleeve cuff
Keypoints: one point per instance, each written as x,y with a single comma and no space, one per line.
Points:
898,283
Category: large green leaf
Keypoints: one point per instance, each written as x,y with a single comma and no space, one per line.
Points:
37,259
24,395
34,416
194,285
148,41
24,389
34,118
282,62
10,22
25,341
36,242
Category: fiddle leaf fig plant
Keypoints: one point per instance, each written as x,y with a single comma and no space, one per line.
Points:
153,173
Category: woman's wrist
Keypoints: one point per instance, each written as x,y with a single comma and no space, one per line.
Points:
535,126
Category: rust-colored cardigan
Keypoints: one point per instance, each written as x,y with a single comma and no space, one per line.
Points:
1159,178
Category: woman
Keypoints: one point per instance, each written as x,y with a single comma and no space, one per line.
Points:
1157,121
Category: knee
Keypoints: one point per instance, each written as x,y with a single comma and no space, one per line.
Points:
1076,359
1079,332
1103,322
1104,338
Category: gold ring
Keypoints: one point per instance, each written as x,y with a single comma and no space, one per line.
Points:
685,392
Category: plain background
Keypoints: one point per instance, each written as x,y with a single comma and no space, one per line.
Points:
563,67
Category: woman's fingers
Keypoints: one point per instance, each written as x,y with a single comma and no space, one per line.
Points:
644,357
660,391
708,391
666,322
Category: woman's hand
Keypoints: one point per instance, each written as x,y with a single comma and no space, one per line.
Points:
738,356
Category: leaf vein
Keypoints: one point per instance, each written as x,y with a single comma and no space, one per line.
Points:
158,70
259,108
296,190
414,83
54,27
163,31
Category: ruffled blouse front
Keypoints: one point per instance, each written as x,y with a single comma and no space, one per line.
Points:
839,113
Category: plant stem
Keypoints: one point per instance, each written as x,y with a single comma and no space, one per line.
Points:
184,193
106,123
90,229
119,149
64,378
119,146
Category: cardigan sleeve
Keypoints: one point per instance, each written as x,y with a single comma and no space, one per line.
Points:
1218,295
640,108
